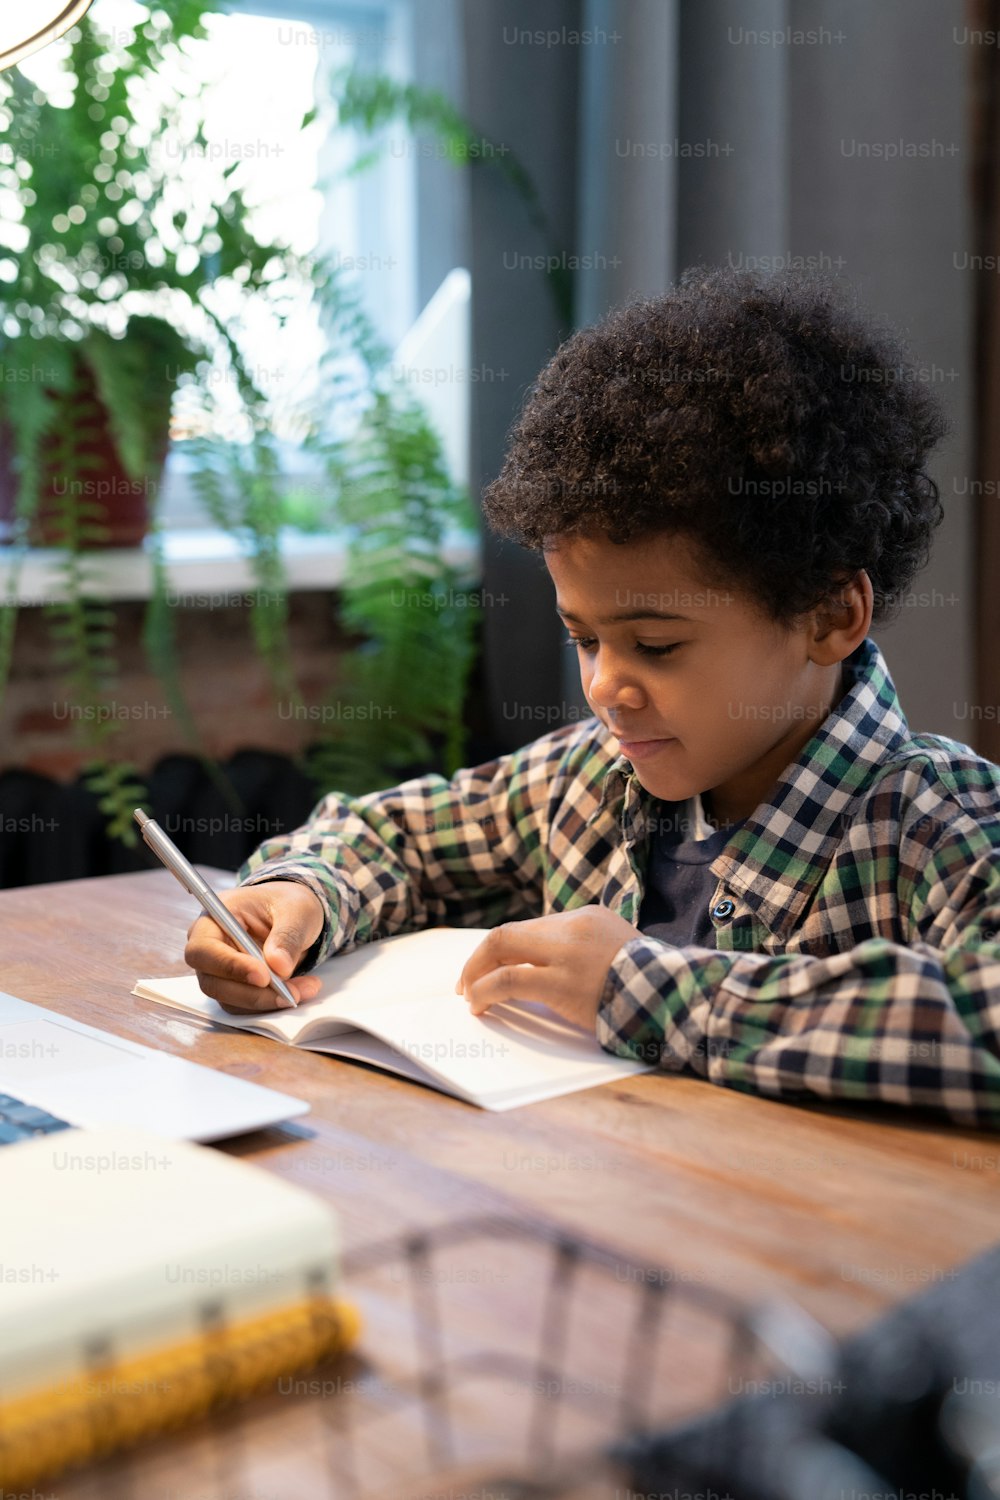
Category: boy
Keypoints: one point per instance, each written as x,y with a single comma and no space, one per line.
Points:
743,865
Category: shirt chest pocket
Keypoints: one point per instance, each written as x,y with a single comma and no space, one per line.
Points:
737,929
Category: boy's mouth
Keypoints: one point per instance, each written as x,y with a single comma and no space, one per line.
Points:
642,749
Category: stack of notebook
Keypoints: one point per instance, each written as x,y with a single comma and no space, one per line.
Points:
145,1281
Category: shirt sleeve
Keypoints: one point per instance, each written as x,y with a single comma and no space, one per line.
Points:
465,852
916,1024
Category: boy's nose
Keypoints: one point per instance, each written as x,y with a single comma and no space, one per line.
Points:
610,688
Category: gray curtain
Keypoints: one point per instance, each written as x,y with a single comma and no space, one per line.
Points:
689,131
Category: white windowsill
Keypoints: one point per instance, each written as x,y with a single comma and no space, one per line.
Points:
202,562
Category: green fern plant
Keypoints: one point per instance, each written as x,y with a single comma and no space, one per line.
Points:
399,699
99,330
241,488
57,428
407,682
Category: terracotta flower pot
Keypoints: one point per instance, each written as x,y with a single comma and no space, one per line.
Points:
114,500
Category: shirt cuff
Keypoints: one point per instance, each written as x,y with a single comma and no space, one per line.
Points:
656,1005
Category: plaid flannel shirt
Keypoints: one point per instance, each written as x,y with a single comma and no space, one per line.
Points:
856,911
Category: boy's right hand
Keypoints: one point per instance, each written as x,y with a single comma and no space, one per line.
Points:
285,918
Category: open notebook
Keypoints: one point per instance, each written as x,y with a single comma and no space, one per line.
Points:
392,1003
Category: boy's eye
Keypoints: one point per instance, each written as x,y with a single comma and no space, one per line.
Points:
588,642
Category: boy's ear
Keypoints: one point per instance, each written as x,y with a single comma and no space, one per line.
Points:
842,621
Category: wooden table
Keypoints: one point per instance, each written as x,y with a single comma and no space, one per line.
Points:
737,1200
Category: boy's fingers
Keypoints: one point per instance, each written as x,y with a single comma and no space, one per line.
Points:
212,952
251,920
524,982
296,921
285,947
286,917
240,999
511,943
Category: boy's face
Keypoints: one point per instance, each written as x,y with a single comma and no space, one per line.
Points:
727,709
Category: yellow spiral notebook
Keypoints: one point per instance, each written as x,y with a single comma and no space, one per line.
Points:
145,1282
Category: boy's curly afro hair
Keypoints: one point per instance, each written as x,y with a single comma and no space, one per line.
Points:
773,425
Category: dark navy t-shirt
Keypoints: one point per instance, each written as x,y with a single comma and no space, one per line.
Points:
679,882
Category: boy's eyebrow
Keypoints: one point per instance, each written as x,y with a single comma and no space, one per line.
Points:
628,614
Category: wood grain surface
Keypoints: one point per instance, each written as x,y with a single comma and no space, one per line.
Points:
728,1200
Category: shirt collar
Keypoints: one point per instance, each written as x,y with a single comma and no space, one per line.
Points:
778,855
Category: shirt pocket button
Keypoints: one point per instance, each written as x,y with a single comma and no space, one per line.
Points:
723,909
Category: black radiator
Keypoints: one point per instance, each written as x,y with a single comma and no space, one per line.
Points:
55,831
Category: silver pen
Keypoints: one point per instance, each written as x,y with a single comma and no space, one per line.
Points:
167,851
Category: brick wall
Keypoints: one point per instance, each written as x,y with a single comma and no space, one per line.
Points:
50,825
224,680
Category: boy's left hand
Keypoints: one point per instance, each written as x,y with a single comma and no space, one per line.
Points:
569,954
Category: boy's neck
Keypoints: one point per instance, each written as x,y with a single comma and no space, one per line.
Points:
713,818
